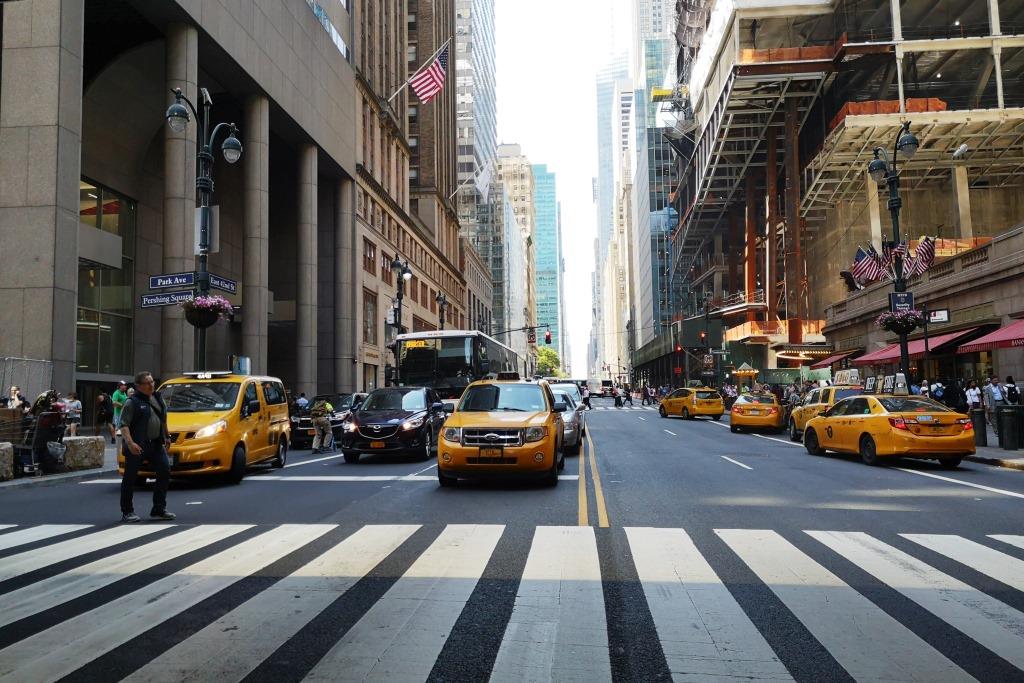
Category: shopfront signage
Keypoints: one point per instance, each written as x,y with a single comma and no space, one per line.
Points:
901,301
167,298
172,280
938,316
223,284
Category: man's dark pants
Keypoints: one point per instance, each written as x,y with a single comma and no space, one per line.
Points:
155,457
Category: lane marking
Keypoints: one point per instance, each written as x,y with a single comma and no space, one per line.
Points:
831,610
643,419
699,623
557,630
736,462
668,432
310,462
1011,540
602,511
978,557
38,533
1004,492
349,478
401,636
31,560
423,470
583,518
782,441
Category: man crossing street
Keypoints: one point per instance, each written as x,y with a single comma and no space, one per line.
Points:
145,438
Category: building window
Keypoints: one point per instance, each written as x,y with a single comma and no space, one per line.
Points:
423,294
369,317
385,268
369,257
414,289
369,377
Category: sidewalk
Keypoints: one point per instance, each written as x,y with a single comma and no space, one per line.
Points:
109,465
994,455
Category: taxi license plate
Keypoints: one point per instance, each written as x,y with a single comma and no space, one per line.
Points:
311,432
376,444
755,412
490,452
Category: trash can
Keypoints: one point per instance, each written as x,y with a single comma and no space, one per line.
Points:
1008,422
980,427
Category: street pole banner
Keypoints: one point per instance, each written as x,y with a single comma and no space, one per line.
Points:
167,298
901,301
172,280
223,284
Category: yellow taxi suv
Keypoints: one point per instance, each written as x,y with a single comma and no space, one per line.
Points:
503,428
220,423
879,427
756,411
816,402
693,402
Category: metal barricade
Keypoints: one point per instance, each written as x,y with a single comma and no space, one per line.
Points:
32,376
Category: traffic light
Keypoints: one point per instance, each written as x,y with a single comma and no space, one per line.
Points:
703,336
547,337
679,347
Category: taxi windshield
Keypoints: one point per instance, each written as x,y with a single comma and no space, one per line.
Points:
394,399
844,393
514,397
707,394
911,404
198,397
760,398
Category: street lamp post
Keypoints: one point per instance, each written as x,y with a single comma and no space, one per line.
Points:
442,305
883,169
402,275
178,118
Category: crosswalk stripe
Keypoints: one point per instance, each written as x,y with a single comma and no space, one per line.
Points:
37,533
31,560
704,632
80,581
990,622
978,557
401,636
232,646
557,629
865,640
1012,540
61,649
7,526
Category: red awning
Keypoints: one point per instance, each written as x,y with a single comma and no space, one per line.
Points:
826,362
1004,337
915,348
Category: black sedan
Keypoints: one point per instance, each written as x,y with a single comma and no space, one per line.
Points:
396,420
302,422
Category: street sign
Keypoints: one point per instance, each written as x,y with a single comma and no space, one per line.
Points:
677,371
939,315
709,360
719,352
531,337
901,301
166,298
223,284
708,373
172,280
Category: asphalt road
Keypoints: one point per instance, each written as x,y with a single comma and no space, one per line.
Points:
670,550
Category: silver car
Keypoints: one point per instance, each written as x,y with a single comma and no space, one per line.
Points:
577,397
572,433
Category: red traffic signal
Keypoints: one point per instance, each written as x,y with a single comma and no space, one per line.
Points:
679,347
547,337
703,335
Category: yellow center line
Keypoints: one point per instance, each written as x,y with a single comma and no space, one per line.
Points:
584,519
602,511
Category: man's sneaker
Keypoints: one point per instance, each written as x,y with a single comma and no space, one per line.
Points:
130,518
162,514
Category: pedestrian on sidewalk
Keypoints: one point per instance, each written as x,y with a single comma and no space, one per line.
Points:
994,398
118,398
145,436
105,416
73,407
1011,392
973,395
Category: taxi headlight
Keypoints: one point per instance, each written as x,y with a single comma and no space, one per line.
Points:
535,434
217,427
414,423
453,434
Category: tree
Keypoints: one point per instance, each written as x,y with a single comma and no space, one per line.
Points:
548,363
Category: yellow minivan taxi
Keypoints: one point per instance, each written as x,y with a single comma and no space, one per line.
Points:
220,423
503,428
693,402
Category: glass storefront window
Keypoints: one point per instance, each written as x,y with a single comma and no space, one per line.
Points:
117,288
88,204
115,351
87,341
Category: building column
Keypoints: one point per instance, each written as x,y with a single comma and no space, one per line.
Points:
40,162
306,273
177,346
794,238
750,241
771,181
962,197
256,245
874,213
345,294
734,251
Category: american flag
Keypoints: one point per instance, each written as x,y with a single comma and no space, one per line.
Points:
876,265
430,80
924,256
861,265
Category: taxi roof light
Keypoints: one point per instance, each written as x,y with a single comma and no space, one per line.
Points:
900,387
209,374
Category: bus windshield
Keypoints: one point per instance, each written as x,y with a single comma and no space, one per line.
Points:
445,361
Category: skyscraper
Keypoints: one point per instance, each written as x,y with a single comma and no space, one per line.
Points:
547,245
516,174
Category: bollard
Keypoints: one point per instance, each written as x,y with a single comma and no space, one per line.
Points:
980,427
1009,427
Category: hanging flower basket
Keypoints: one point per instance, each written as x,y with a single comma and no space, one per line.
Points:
900,322
205,311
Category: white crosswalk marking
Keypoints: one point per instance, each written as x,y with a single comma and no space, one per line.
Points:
59,650
37,533
866,641
77,582
31,560
1012,540
232,646
999,566
703,631
557,629
992,623
401,636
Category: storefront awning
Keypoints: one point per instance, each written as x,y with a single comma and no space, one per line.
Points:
1004,337
915,348
827,362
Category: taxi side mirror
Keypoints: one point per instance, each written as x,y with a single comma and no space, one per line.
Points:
559,407
250,408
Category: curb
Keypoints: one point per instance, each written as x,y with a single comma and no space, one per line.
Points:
52,479
1015,464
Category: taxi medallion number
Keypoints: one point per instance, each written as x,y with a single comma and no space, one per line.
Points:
376,444
490,452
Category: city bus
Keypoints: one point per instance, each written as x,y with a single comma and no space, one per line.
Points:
448,360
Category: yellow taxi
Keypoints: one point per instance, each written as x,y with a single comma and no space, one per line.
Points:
816,402
693,402
756,411
220,423
502,428
892,425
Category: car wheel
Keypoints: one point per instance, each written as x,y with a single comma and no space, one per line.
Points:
551,478
428,450
734,429
868,452
444,480
811,443
282,454
351,458
560,461
716,418
794,435
575,448
685,413
661,411
950,463
237,465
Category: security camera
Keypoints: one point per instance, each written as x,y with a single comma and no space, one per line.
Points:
960,151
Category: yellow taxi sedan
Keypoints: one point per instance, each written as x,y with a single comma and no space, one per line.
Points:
756,411
879,427
692,402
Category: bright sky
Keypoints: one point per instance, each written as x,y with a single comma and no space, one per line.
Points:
549,52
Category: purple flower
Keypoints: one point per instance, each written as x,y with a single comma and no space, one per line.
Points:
213,303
